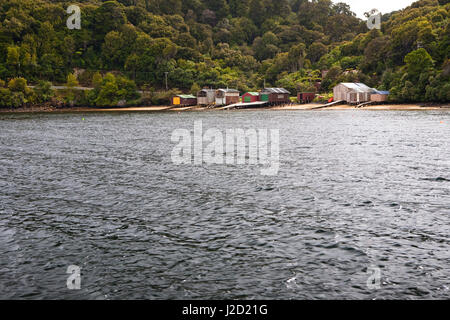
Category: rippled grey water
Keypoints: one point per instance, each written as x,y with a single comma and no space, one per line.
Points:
355,190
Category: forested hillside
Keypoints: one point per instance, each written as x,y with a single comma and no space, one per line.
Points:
219,43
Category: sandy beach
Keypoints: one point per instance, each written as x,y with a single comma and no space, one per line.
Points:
411,107
294,107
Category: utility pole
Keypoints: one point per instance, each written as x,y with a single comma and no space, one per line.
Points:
167,85
264,83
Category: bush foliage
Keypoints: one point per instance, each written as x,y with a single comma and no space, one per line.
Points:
239,44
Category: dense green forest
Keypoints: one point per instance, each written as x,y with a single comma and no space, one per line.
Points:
125,45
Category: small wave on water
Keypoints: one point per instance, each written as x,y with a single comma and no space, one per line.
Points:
438,179
104,195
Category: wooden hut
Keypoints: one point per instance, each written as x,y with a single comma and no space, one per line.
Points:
184,100
379,96
275,96
250,97
225,97
206,97
352,92
305,97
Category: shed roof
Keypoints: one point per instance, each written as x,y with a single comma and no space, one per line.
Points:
276,90
186,96
255,94
382,92
229,90
357,86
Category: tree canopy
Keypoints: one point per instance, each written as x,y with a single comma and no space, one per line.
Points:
225,43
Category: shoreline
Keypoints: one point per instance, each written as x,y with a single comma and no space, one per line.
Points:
295,107
381,107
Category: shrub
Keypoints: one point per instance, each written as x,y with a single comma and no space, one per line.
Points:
323,98
97,80
43,91
18,85
114,90
11,99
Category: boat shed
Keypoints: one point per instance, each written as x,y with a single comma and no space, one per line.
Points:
352,92
226,97
275,96
206,97
305,97
250,97
184,100
379,96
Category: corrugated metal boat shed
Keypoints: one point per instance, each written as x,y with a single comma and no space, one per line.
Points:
352,92
275,96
